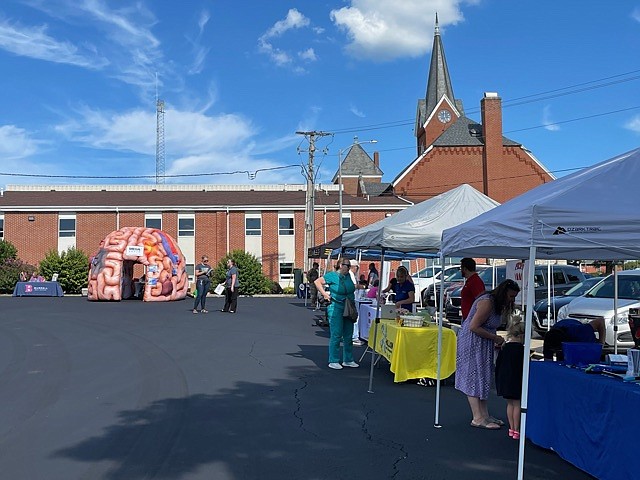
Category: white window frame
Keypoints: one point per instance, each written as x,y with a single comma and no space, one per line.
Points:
345,216
2,226
153,216
187,216
285,276
67,216
253,216
287,216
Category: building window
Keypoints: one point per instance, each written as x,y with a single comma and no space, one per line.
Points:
1,226
285,226
346,221
153,221
191,271
286,271
252,226
186,226
67,226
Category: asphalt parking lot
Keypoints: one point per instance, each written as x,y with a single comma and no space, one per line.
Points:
134,390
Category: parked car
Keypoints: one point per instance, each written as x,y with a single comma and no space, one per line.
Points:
453,301
453,278
540,308
425,277
564,277
598,303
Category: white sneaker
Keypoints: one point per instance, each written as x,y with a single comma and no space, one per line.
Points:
350,364
358,343
335,366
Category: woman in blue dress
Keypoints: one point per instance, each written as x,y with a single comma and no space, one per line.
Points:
477,340
336,287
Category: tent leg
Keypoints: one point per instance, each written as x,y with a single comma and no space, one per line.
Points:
375,330
527,350
436,422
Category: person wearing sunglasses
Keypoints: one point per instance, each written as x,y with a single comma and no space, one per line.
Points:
336,287
477,340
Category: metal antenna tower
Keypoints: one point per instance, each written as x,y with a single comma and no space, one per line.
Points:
159,137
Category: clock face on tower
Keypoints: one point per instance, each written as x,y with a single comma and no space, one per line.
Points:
444,116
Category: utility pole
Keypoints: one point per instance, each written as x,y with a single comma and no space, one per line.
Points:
309,173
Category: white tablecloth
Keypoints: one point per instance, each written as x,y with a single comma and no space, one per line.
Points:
366,315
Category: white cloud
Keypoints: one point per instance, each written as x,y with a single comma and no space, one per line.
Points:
200,52
547,121
309,54
279,56
294,19
16,143
34,42
132,50
194,142
358,113
636,14
387,29
633,124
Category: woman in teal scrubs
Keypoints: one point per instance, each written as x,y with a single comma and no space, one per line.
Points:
336,287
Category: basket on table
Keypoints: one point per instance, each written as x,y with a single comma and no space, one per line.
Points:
412,320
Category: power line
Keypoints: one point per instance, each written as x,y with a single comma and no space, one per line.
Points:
251,174
517,101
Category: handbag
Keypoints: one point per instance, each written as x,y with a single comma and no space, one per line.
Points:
219,290
350,311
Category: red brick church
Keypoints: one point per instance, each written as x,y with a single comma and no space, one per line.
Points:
453,149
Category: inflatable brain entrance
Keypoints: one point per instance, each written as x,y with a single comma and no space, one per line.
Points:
111,270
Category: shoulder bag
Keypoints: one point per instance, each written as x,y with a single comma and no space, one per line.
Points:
350,311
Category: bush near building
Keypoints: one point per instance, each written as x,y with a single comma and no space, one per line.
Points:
11,266
72,267
252,280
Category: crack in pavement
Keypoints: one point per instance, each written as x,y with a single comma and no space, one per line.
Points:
297,412
385,443
258,361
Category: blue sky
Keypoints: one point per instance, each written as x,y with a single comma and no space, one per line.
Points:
78,82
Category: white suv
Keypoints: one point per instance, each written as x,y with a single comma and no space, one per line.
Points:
598,303
425,278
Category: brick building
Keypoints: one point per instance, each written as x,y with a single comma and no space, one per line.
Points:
265,220
453,149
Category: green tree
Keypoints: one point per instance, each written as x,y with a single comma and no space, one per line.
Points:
252,280
10,270
7,251
72,267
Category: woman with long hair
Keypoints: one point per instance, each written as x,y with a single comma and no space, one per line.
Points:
477,340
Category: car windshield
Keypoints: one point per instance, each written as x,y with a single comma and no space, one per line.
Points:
582,287
427,272
487,276
453,276
628,287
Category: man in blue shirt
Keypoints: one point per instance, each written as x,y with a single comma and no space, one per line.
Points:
571,330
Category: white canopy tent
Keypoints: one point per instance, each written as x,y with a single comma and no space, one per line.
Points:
418,229
592,213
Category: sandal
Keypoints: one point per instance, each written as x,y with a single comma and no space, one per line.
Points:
516,435
486,424
495,420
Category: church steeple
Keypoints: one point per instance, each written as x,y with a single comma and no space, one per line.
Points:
439,83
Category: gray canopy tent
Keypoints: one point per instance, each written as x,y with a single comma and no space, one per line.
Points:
418,229
558,220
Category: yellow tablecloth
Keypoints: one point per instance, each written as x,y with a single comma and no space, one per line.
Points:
413,352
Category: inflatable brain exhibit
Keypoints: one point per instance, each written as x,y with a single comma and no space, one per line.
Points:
111,269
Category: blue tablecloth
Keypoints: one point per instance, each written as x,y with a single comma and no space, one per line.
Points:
37,289
589,420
